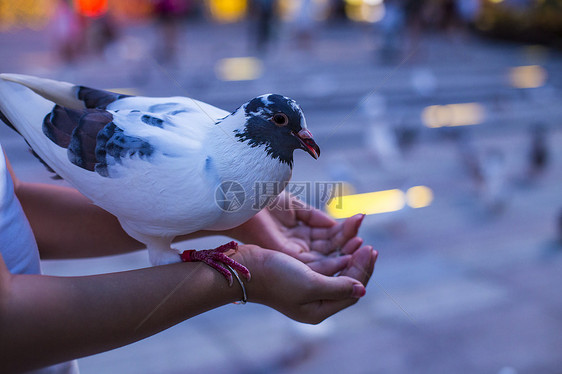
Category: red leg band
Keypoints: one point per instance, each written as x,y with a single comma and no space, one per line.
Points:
186,256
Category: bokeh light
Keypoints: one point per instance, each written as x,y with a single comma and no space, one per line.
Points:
531,76
226,11
464,114
378,202
238,69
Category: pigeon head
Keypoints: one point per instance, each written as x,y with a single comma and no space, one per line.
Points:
278,123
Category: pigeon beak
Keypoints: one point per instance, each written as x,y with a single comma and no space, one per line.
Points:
308,143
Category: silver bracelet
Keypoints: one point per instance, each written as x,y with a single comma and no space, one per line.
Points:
244,296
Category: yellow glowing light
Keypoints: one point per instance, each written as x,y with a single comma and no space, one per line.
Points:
34,14
379,201
453,115
419,196
368,203
364,10
227,10
239,69
496,1
531,76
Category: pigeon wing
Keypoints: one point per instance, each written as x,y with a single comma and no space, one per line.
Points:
130,155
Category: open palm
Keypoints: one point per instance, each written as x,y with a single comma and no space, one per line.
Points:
294,228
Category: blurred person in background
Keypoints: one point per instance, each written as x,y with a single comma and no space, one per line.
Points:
468,156
263,23
414,11
538,153
449,16
79,27
493,171
392,30
67,30
304,23
99,28
379,133
169,15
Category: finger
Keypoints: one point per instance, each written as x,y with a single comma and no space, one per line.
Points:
361,265
302,232
314,217
347,291
309,257
323,232
359,269
349,228
330,265
321,246
296,245
342,237
352,245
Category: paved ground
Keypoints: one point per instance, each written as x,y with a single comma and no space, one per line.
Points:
457,288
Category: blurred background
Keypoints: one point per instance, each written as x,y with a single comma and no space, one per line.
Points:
440,118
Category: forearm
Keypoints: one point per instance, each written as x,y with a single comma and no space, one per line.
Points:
68,225
45,320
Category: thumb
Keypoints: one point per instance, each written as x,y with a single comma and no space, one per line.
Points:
338,293
340,288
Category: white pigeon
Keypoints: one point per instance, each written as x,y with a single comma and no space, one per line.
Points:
163,166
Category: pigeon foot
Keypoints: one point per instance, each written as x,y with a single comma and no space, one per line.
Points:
217,259
163,256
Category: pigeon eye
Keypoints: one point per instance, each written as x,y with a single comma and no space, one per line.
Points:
280,119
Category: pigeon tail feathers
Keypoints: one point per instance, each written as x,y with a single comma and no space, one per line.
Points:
62,93
65,94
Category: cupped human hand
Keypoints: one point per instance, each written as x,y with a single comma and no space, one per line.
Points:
305,233
293,288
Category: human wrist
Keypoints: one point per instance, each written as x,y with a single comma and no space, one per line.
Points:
237,279
251,257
